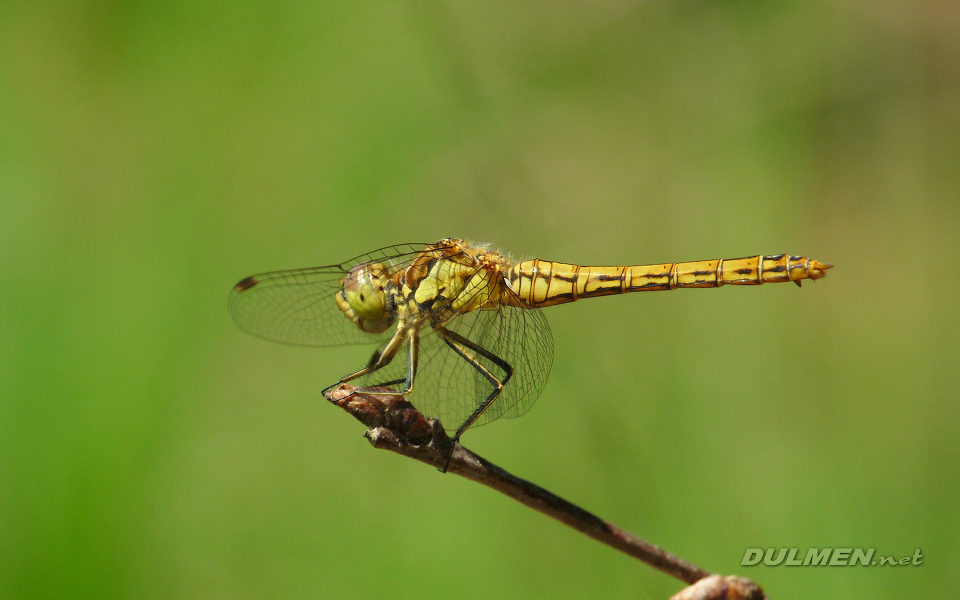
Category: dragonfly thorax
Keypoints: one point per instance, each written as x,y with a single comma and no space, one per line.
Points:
363,298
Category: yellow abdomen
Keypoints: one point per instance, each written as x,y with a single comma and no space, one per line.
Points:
544,283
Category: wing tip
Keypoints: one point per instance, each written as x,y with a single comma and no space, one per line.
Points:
245,284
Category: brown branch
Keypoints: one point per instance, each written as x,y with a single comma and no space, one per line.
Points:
397,426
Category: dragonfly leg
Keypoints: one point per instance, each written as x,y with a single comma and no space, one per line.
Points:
384,357
463,346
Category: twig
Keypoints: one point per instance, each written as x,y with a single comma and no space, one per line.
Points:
397,426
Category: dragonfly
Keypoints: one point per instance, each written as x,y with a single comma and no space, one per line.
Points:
457,326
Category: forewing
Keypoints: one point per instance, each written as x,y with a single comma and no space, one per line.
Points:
297,306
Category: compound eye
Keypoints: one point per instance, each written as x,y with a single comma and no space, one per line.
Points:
364,293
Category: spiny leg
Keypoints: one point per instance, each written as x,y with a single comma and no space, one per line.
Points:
462,346
383,357
387,383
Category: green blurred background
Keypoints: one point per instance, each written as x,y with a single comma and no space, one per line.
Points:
152,154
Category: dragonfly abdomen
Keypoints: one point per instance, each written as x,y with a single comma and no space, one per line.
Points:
545,283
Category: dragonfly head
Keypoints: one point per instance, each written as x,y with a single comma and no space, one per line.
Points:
363,298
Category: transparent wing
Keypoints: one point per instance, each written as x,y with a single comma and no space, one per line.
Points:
449,388
297,307
519,336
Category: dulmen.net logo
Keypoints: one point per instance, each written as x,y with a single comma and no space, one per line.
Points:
826,557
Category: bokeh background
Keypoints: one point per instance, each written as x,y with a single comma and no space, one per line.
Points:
152,154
